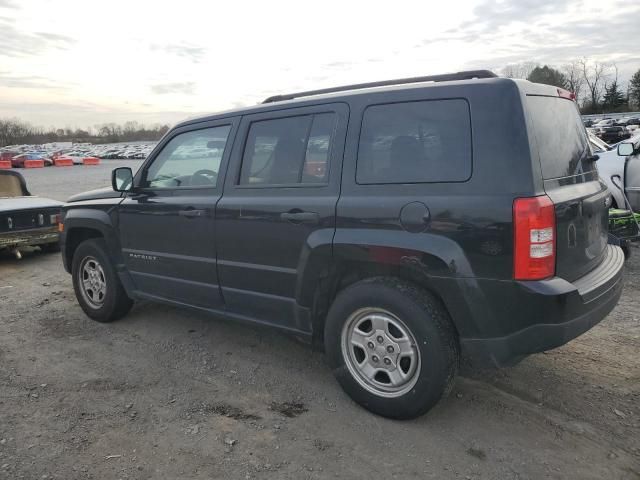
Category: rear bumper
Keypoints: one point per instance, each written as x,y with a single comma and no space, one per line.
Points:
25,238
550,312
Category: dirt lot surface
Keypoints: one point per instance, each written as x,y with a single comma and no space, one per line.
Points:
171,394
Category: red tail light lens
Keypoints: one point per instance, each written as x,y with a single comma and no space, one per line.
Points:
534,243
566,94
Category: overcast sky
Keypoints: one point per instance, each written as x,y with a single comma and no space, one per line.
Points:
78,63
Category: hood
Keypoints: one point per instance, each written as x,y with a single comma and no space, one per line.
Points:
97,194
12,204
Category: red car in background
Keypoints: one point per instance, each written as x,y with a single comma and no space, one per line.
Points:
18,160
8,155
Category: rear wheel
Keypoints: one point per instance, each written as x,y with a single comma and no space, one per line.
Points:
96,284
392,347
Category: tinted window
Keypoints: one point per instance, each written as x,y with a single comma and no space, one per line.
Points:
288,150
415,142
560,137
191,159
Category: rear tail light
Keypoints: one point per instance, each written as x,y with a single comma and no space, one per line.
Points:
566,94
534,240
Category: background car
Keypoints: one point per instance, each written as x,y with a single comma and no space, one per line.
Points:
611,164
626,121
18,160
607,122
7,155
26,220
612,134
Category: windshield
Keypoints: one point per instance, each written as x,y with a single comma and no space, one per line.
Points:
560,136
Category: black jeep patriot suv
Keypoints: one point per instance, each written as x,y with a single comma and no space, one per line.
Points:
399,225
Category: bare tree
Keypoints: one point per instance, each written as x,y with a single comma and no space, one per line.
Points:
518,70
595,76
575,78
14,131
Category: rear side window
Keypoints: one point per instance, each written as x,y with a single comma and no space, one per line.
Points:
291,150
560,136
415,142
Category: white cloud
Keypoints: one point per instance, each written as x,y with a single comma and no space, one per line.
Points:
144,60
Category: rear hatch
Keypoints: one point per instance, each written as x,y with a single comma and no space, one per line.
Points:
571,181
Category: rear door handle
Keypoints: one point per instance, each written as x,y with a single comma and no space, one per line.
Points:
191,213
296,216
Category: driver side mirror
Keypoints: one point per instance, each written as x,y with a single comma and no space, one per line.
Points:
122,179
625,149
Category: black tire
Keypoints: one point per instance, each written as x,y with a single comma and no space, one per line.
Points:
115,303
429,324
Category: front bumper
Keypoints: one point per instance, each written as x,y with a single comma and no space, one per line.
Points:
23,238
551,312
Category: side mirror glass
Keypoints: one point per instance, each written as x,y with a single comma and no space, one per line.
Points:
625,149
122,179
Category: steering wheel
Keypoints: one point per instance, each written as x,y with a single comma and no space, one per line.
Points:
204,173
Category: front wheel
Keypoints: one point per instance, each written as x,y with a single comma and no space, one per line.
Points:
96,284
392,347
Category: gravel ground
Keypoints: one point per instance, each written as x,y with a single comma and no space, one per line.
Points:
168,394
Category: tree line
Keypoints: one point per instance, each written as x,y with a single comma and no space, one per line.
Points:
595,84
15,132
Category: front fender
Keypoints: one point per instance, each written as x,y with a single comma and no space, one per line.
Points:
99,220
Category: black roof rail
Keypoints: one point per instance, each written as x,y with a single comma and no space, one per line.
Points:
446,77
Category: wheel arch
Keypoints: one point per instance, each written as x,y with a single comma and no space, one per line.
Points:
344,273
83,224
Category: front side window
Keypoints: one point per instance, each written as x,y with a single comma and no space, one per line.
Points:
191,159
286,151
415,142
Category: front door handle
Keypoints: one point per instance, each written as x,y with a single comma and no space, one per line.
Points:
191,213
298,216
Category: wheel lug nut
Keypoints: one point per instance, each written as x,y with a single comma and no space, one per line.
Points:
380,339
389,349
387,361
370,345
375,358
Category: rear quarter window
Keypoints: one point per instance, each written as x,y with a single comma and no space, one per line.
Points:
415,142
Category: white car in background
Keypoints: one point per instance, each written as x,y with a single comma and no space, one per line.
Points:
621,161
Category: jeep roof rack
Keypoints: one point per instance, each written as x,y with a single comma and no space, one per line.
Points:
468,75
